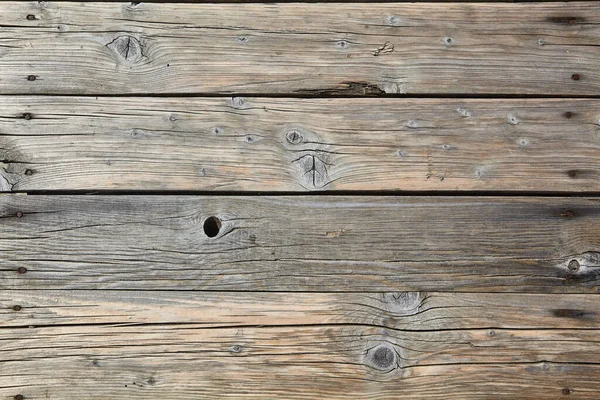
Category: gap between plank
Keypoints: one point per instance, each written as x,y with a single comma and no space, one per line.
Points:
403,193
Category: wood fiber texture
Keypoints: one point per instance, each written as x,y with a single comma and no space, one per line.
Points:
300,200
301,243
299,48
99,344
285,144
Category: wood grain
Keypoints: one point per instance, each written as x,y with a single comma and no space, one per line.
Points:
319,49
408,311
268,345
258,144
301,243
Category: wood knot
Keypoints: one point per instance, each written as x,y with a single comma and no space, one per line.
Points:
403,303
394,20
382,357
448,41
463,112
567,214
294,136
212,226
573,266
238,102
513,120
581,268
128,48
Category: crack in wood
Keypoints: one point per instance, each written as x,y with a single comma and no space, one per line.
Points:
315,168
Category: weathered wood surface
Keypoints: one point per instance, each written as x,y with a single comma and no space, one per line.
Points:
409,311
237,144
249,345
301,243
316,49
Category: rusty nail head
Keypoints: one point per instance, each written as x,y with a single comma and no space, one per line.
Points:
576,77
17,308
31,17
19,214
566,391
27,116
22,270
31,78
19,397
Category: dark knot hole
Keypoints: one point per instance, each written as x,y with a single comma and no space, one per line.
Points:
212,226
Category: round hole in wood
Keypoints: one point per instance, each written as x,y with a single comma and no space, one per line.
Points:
212,226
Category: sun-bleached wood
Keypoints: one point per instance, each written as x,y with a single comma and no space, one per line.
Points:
411,311
319,49
286,144
301,243
169,345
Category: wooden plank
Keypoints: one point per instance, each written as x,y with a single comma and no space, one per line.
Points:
356,49
409,311
254,345
258,144
306,243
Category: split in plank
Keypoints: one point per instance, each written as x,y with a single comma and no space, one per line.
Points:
258,144
170,345
320,49
300,243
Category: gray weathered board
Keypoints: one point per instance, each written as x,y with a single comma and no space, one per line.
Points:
174,345
300,48
157,240
286,144
301,243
